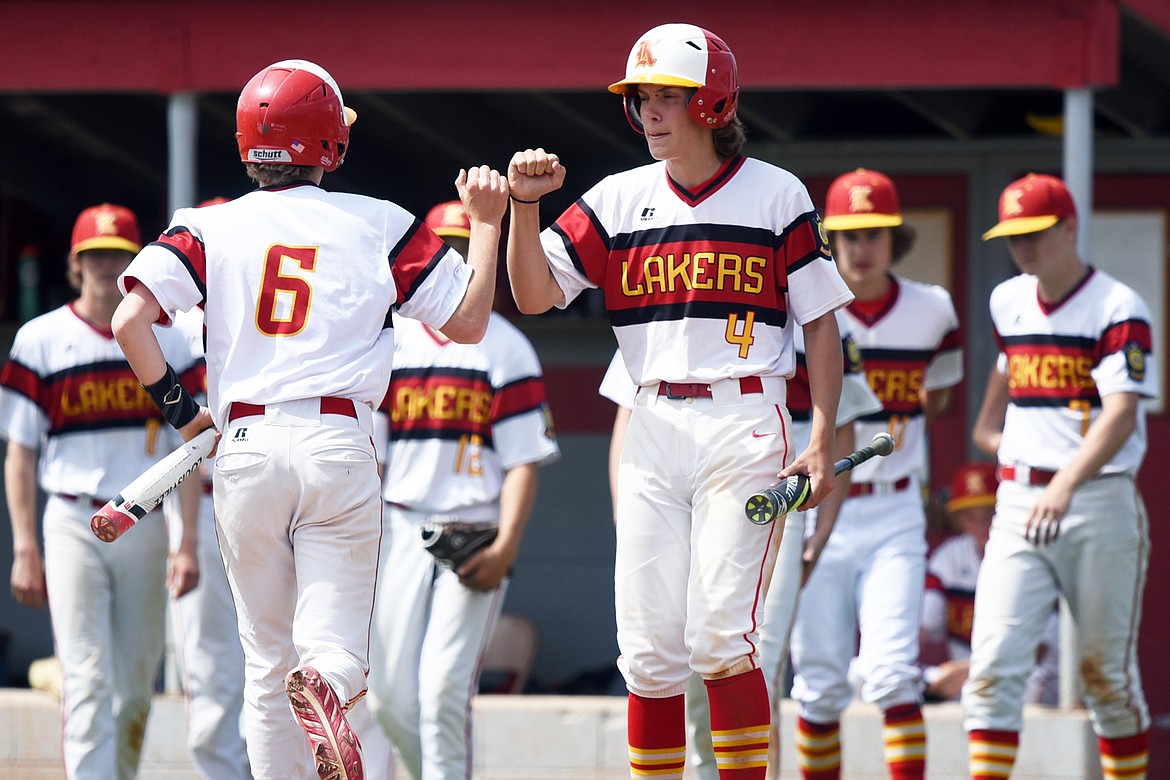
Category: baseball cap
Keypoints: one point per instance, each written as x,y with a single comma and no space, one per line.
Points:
218,199
862,199
449,219
106,227
1031,204
973,485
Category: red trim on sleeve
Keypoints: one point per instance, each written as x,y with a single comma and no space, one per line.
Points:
1121,334
518,397
22,379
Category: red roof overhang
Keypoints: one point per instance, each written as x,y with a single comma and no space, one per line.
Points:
216,45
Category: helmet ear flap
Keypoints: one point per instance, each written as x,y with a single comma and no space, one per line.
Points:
633,106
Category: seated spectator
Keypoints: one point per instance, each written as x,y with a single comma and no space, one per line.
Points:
949,603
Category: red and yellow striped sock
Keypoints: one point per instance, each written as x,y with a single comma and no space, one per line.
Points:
657,737
904,734
1125,757
740,714
992,753
818,750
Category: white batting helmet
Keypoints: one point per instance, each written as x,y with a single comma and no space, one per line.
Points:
683,55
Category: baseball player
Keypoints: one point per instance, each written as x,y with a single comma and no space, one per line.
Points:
948,606
297,285
804,534
870,574
708,261
78,425
203,621
469,428
1075,360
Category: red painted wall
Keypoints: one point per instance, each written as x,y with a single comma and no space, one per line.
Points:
216,45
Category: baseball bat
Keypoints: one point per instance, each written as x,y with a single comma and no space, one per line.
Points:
788,494
146,492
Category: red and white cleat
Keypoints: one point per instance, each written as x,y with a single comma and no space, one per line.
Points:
336,750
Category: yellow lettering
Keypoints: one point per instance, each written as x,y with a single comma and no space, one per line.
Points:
444,403
677,273
701,263
730,271
628,291
652,271
754,275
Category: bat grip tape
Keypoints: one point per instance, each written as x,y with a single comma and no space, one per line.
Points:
177,405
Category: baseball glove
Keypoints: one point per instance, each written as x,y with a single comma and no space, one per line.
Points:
452,542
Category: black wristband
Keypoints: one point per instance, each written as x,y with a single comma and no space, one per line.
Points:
527,202
177,405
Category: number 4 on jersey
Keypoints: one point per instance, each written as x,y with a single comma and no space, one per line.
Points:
741,337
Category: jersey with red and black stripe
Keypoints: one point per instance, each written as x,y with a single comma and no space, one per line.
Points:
949,601
1060,359
911,343
460,416
857,400
68,391
297,285
701,284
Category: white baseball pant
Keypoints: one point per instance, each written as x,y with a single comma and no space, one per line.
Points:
870,577
1099,563
431,633
779,612
109,621
691,570
210,659
297,496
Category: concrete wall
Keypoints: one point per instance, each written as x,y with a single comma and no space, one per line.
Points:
575,738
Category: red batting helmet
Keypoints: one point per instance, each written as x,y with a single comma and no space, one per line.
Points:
449,219
292,113
683,55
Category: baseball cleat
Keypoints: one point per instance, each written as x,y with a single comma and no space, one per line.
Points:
337,753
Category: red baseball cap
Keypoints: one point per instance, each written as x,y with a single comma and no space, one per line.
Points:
1031,204
449,219
973,485
862,199
106,227
218,199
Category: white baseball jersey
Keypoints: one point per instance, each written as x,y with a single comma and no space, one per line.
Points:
460,416
912,343
68,391
705,285
948,608
310,255
1061,358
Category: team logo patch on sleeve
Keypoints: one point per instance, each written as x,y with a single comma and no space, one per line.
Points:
1135,361
852,354
823,238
